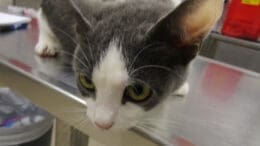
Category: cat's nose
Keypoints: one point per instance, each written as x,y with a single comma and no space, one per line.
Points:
105,117
103,126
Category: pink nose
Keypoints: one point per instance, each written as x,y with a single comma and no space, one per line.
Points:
104,126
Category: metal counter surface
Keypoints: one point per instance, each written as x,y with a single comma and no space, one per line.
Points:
221,109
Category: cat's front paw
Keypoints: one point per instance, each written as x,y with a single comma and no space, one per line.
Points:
183,90
45,49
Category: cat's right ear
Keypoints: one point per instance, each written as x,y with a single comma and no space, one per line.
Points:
185,27
82,23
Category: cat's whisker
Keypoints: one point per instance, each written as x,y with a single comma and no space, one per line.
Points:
82,123
159,120
141,127
140,52
156,130
159,129
79,122
163,128
147,124
86,58
154,119
147,128
90,49
159,135
71,112
71,107
74,57
83,71
155,123
144,127
151,66
73,119
168,124
68,76
152,131
66,34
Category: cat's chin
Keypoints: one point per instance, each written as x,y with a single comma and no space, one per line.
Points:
126,119
117,127
114,128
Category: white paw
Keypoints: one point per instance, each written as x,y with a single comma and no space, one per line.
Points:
183,90
46,49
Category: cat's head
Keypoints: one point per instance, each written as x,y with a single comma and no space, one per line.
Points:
126,64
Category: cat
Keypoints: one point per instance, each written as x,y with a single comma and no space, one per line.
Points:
128,56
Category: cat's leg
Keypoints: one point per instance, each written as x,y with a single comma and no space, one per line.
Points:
183,90
168,118
177,2
48,44
171,113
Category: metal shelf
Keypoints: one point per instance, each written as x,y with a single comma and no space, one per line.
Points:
207,107
237,41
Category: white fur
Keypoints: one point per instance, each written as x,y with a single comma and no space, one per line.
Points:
120,1
183,90
48,44
111,78
176,2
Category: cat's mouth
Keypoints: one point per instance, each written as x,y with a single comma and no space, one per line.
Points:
106,126
110,125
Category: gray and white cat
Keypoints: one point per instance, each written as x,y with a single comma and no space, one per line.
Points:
128,56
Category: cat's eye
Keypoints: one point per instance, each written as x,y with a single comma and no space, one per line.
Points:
138,92
86,83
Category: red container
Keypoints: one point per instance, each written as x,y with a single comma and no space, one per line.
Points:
243,19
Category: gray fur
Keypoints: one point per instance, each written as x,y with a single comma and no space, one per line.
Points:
131,24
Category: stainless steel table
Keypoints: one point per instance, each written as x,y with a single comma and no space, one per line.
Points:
221,109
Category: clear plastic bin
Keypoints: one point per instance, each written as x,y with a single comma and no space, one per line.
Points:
22,123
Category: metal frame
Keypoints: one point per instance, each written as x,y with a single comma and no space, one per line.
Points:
209,48
56,100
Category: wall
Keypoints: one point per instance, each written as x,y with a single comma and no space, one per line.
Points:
5,3
28,3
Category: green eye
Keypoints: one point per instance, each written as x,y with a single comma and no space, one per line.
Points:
138,92
86,83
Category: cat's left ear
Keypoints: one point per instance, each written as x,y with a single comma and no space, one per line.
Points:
186,26
82,25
